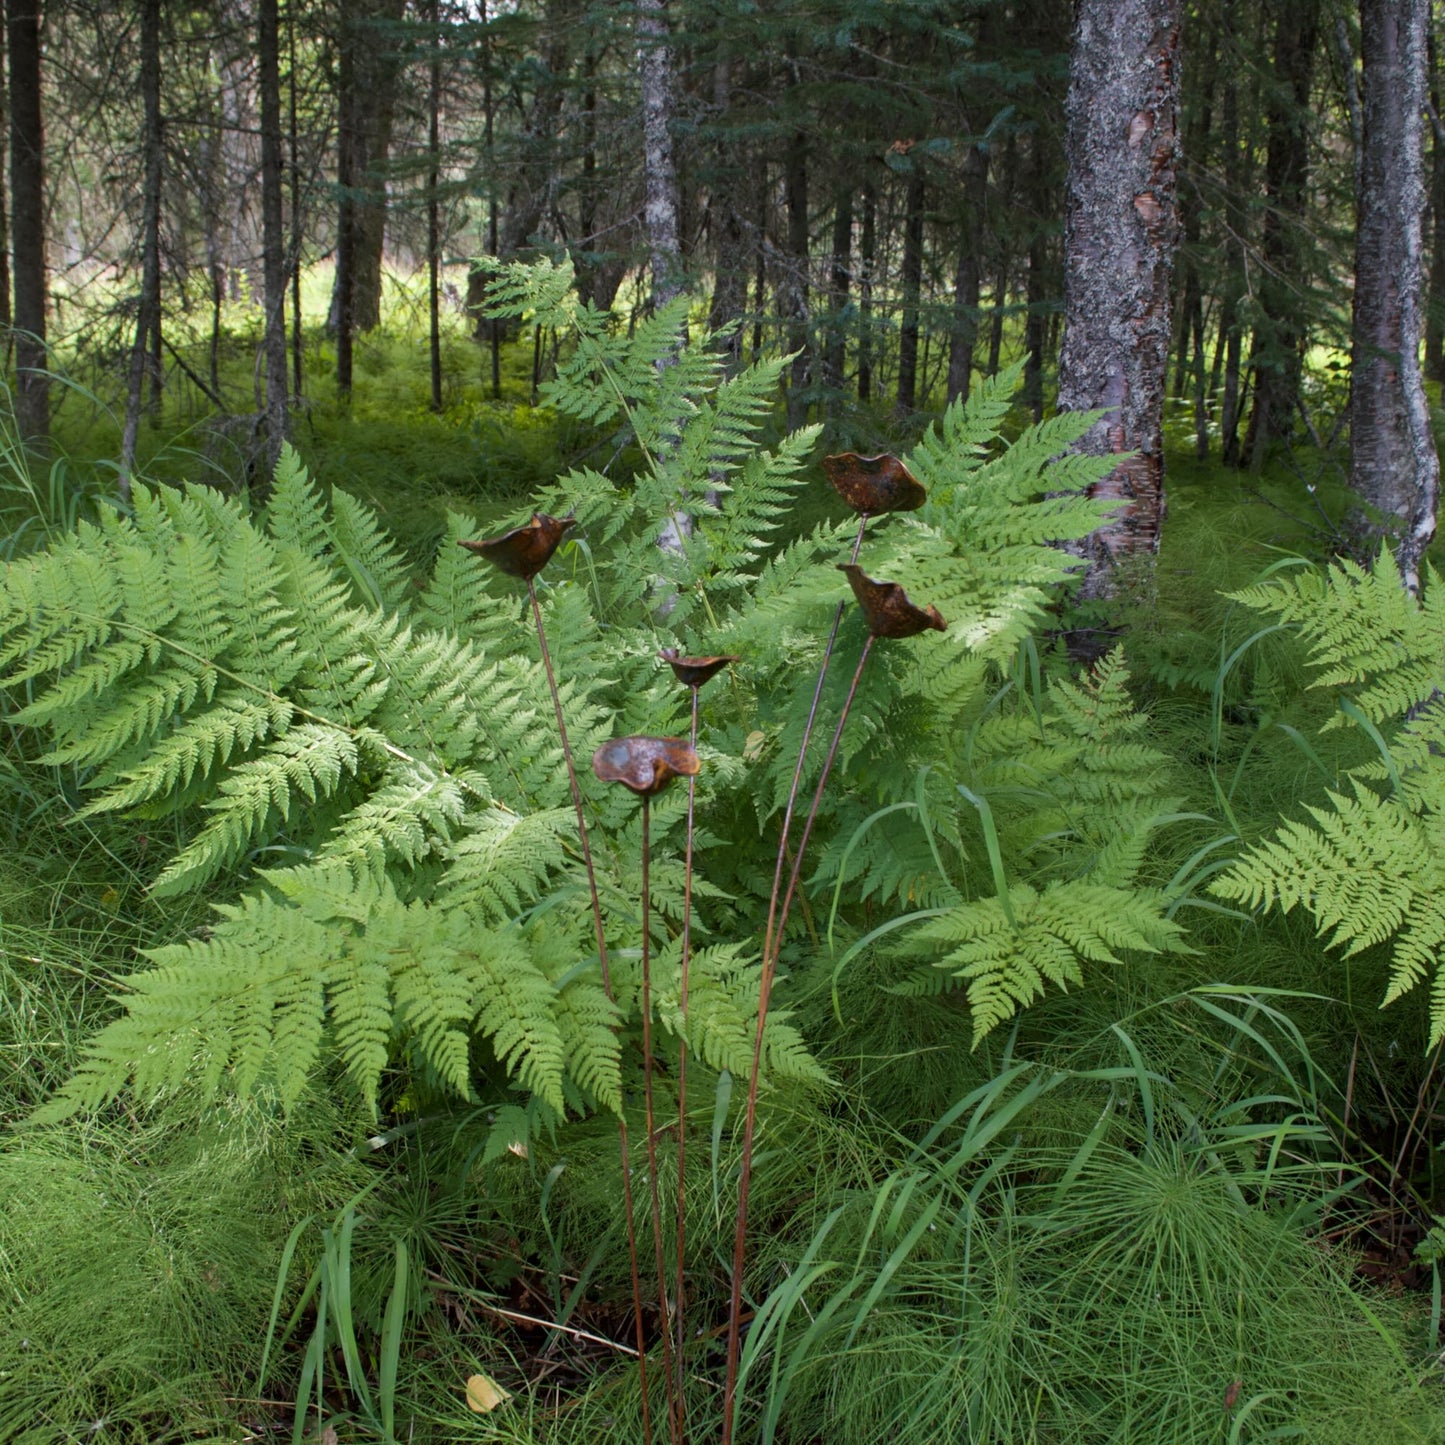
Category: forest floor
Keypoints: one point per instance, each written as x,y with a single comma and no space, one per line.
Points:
1105,1278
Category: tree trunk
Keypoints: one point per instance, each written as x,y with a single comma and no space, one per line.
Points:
867,259
728,231
660,208
6,316
293,260
912,278
433,207
1279,335
1394,468
584,260
494,335
1435,312
760,262
793,297
148,312
343,291
239,156
273,232
840,277
1039,294
1120,232
27,198
968,276
367,75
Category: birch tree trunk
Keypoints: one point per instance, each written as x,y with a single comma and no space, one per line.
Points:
1119,240
27,196
660,209
1394,468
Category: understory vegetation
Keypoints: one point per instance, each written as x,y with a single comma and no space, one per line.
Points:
1100,1091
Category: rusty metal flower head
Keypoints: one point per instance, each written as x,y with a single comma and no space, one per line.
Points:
887,608
646,765
874,484
694,671
524,551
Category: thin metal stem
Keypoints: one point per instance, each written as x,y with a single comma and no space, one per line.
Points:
765,989
664,1324
683,978
607,989
803,752
813,810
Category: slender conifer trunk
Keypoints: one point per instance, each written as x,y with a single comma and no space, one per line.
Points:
912,278
27,195
273,231
148,312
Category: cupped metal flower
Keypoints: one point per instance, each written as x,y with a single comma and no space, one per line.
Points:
874,484
646,765
694,671
524,551
887,608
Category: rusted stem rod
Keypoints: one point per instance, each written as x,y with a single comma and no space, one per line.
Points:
679,1303
765,988
607,989
803,753
652,1183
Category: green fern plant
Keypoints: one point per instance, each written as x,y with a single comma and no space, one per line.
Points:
1058,796
357,764
1366,867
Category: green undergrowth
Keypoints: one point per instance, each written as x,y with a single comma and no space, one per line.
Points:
1119,1201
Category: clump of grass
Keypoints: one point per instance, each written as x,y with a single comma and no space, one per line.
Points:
139,1257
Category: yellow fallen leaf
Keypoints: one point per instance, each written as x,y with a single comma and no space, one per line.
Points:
484,1395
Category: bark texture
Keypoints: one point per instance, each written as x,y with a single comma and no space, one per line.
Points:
660,207
1119,239
840,280
732,245
968,275
368,74
6,319
148,313
1394,468
1277,359
273,231
27,193
912,278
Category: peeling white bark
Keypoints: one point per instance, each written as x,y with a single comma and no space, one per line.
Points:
661,205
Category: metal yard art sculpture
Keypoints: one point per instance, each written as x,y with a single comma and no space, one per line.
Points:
872,486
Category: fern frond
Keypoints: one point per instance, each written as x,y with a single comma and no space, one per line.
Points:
307,764
377,569
506,859
1007,964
